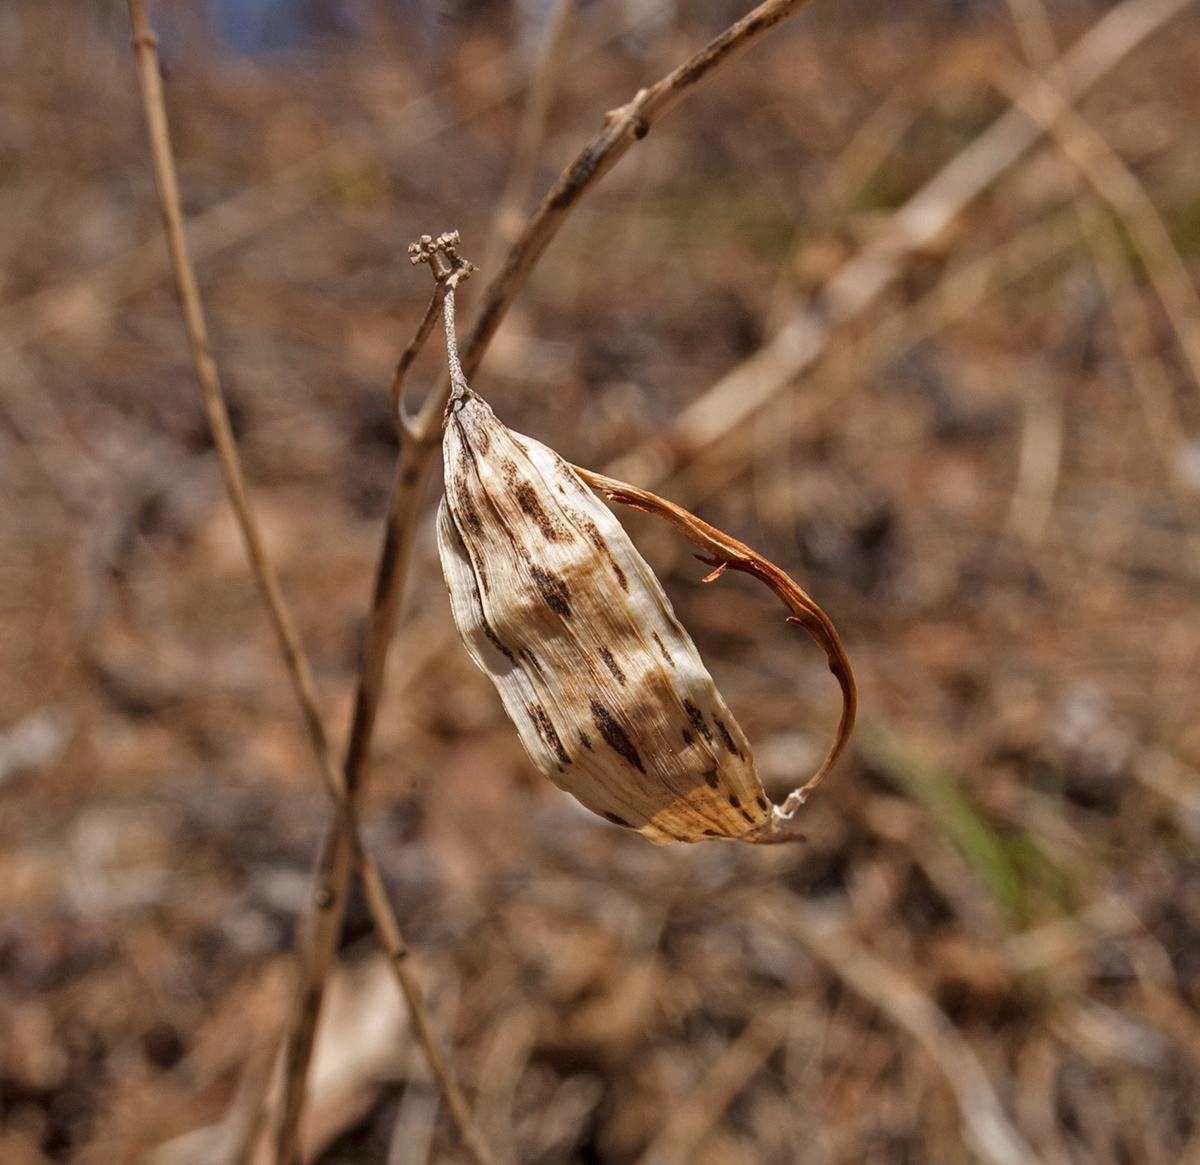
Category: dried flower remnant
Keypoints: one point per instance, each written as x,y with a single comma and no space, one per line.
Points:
606,689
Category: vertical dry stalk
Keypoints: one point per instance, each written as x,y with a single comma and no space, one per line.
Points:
340,854
420,436
300,672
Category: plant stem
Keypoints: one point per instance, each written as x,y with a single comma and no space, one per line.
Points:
150,79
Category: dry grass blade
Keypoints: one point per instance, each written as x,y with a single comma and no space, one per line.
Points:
268,583
987,1127
420,435
728,553
1035,31
803,339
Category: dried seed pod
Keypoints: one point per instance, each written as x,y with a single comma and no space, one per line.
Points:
607,691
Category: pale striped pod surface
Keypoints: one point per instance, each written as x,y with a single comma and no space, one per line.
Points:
607,691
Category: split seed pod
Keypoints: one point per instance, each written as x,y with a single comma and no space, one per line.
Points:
606,689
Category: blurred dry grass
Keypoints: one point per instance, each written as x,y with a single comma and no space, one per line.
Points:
990,481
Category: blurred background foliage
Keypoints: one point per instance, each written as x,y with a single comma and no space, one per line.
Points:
990,479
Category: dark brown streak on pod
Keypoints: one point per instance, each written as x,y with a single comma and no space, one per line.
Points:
466,442
553,590
546,731
617,820
662,647
711,779
527,499
585,741
688,738
712,833
733,748
615,736
592,532
762,803
697,718
734,801
526,654
461,509
747,817
612,666
464,508
498,643
479,414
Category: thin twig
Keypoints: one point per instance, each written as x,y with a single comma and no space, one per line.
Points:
264,574
420,435
145,45
624,126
